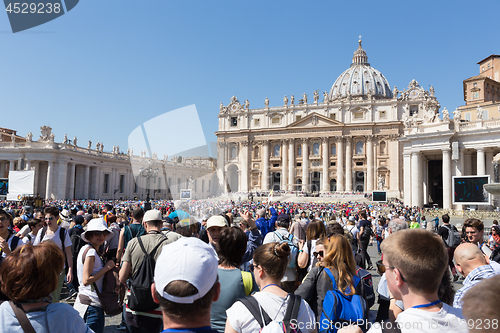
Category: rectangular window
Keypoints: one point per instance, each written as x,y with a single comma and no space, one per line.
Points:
467,116
106,183
333,116
299,164
485,114
202,185
333,150
383,115
234,121
358,115
299,151
297,118
359,163
276,165
256,122
333,163
209,185
413,109
275,120
122,183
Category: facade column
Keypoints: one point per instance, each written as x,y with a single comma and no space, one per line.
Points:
265,169
481,167
71,184
467,163
416,181
425,177
489,165
447,179
11,165
291,165
86,183
99,182
305,165
340,164
326,162
221,172
48,186
284,165
245,165
348,164
61,180
27,165
369,157
36,167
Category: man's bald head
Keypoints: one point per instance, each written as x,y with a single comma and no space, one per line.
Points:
468,257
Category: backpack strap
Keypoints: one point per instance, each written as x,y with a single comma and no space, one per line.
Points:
22,318
84,255
153,251
256,310
14,242
43,231
292,311
279,236
247,282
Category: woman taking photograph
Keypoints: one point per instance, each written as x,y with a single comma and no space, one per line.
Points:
21,276
339,259
269,264
90,270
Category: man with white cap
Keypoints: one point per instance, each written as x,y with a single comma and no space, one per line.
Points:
185,285
150,321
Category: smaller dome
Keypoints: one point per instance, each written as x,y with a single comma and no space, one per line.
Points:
360,79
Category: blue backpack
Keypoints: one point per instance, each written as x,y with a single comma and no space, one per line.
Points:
294,250
339,309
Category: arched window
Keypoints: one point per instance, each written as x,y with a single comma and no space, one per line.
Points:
276,150
359,148
298,187
233,152
256,152
333,185
333,151
383,148
316,148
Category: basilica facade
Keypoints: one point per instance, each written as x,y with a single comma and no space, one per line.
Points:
350,141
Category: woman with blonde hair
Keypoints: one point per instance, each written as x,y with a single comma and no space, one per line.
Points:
338,262
28,276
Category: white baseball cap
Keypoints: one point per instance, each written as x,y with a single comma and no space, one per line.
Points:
188,259
216,221
152,215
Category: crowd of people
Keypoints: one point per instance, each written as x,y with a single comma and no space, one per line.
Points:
208,266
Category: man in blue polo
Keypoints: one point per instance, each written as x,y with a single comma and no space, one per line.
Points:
265,225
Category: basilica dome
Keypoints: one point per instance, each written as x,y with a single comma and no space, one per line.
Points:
360,79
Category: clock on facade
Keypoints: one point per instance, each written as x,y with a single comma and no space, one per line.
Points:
414,93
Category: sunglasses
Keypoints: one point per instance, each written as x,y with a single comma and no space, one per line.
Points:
49,218
321,253
99,233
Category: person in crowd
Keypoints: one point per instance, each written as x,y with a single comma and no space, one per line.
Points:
494,239
20,276
203,230
186,290
151,321
474,230
35,226
479,306
134,229
288,281
415,261
90,270
77,222
443,231
363,240
354,231
60,237
473,265
299,229
269,264
340,261
234,283
315,230
379,232
265,225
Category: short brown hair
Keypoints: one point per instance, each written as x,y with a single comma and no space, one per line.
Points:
420,256
182,289
315,230
231,246
273,257
474,223
480,302
52,211
31,272
3,212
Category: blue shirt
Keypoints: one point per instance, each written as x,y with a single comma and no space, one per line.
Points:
267,225
474,277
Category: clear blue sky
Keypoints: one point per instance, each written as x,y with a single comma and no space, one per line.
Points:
108,66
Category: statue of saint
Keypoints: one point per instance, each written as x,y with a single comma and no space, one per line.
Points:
74,141
13,137
266,102
89,145
102,147
29,137
247,104
457,115
395,92
316,96
325,97
479,112
304,98
381,182
65,141
98,146
221,107
446,115
285,100
292,100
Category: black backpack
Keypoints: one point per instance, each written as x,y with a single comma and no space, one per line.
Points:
140,285
77,243
367,232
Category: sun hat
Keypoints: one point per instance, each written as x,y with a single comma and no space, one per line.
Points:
64,215
187,259
216,221
152,215
97,225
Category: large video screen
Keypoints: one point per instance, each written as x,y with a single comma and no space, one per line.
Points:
469,190
4,186
379,196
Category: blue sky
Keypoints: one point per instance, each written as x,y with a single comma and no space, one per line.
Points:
108,66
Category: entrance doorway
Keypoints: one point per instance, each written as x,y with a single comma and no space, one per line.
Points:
315,181
275,181
333,185
359,178
435,182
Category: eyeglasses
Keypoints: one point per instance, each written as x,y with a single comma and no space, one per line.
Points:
49,218
392,267
321,253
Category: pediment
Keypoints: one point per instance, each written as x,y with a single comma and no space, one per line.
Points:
315,120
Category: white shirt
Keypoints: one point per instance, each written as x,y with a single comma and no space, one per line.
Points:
9,242
54,237
98,265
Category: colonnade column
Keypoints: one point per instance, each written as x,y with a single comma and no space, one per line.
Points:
11,165
291,165
61,180
348,164
86,183
244,170
221,165
284,173
447,179
489,164
369,157
36,167
265,171
326,161
48,185
416,181
305,165
481,167
72,170
340,164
